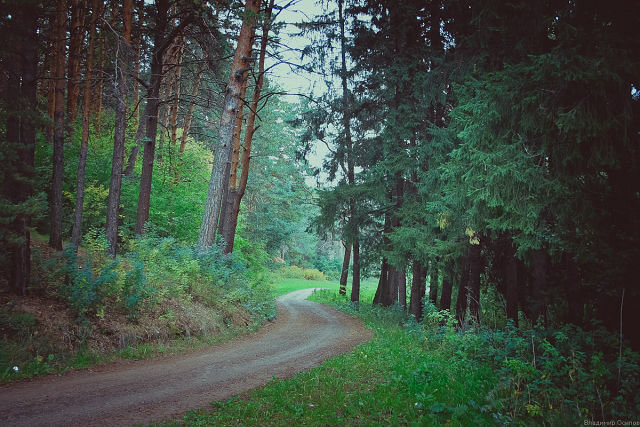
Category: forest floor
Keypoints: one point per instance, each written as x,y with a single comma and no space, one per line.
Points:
303,334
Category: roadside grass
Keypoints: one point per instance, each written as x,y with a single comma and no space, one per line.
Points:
398,378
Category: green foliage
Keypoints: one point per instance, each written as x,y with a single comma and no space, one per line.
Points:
295,272
391,380
84,288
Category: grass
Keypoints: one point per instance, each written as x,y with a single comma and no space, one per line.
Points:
398,378
284,286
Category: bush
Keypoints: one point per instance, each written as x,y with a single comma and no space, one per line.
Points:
558,376
85,289
295,272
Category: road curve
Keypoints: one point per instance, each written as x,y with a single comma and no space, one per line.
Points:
302,336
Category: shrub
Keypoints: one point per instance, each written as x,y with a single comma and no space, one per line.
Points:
85,289
295,272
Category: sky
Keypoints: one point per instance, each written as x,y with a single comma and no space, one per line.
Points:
300,81
282,74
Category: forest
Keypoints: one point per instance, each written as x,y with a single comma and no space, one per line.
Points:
468,170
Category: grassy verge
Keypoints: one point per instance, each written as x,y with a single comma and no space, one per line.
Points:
398,378
284,286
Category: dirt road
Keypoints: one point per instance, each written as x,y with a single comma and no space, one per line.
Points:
303,334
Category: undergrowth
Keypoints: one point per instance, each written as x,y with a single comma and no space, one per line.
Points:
157,279
431,373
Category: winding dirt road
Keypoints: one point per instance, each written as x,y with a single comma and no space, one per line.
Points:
302,336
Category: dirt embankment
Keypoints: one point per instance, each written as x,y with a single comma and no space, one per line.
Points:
302,336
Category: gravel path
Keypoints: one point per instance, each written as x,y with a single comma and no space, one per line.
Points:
302,336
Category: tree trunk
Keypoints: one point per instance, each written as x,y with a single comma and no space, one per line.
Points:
511,279
76,233
51,93
222,158
383,282
231,220
433,283
20,128
575,299
151,116
355,282
173,121
98,95
192,106
133,155
447,285
136,62
73,65
475,267
55,234
346,123
402,288
230,203
115,187
344,275
463,292
418,289
539,264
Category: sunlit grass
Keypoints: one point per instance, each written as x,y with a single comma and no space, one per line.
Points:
284,286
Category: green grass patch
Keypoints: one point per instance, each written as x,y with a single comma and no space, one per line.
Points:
398,378
284,286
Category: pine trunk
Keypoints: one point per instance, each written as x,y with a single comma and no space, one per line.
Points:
231,222
383,282
140,132
187,118
222,158
51,92
463,293
115,187
539,264
344,275
151,118
418,290
383,292
575,299
55,233
76,233
73,65
20,128
99,92
161,43
511,279
433,283
475,267
447,285
355,282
